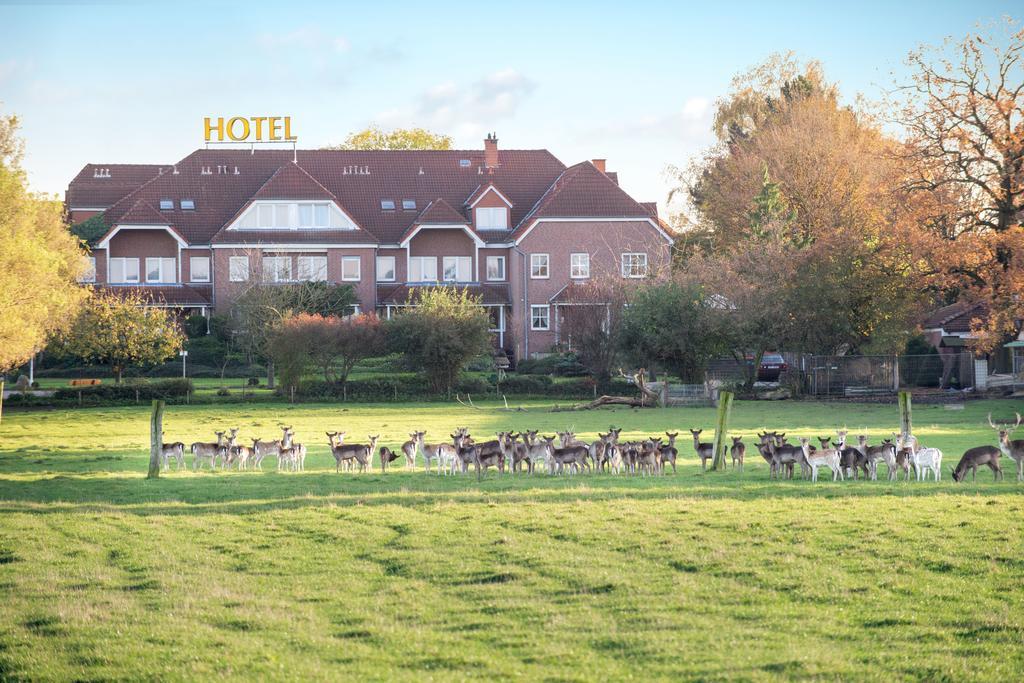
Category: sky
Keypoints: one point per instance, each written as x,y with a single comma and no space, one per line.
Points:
633,82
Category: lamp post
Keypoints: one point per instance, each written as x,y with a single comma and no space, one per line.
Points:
184,354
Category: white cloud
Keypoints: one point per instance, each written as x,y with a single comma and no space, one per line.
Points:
464,110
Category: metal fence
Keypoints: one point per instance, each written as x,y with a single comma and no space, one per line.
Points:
683,394
852,376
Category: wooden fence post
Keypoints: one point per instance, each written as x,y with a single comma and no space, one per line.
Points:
156,438
722,429
905,421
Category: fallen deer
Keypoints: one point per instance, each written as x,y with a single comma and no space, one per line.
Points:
973,458
1012,449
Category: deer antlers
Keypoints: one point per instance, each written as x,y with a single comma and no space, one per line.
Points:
1005,427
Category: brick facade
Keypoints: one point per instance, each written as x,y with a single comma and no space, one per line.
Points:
224,203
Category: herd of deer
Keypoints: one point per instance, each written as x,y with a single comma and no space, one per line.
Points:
528,451
228,453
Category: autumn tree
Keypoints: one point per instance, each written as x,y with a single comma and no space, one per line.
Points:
331,344
119,330
672,324
441,333
375,137
592,324
963,112
39,259
807,225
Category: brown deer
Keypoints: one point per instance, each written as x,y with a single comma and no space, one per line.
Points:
1012,449
738,450
205,451
973,457
387,456
362,454
174,450
573,456
668,452
520,453
410,447
705,451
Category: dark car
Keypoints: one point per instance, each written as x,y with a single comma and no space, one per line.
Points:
772,366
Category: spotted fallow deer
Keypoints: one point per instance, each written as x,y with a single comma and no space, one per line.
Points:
705,451
204,451
738,451
174,450
1013,449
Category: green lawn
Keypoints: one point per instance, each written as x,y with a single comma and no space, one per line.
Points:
317,575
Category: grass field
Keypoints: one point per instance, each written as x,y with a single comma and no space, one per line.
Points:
315,575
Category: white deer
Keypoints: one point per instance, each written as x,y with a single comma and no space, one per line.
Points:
824,457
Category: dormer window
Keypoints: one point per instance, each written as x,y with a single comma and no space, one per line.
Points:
409,204
166,204
278,215
492,218
188,205
387,204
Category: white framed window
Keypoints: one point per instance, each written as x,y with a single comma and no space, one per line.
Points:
634,265
282,217
321,216
238,268
265,216
188,205
495,268
199,268
385,269
313,268
579,266
492,218
540,317
351,267
123,270
166,204
540,266
408,204
90,272
422,269
160,269
277,268
457,269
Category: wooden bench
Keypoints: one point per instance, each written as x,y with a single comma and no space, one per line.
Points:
85,382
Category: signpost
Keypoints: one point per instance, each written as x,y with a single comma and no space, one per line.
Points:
184,355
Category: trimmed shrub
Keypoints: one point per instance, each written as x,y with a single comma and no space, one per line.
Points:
141,390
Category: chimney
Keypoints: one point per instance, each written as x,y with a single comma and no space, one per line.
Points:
599,163
491,151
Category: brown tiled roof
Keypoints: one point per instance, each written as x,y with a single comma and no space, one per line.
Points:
483,189
223,181
440,212
291,182
88,191
170,295
399,294
956,317
143,213
582,191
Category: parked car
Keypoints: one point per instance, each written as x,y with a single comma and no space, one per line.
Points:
772,366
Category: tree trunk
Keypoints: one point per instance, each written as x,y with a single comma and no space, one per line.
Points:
117,374
270,374
905,422
722,429
1,401
156,438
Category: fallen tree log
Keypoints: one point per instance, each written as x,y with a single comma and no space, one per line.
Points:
605,401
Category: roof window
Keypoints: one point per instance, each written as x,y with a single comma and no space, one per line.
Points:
464,163
387,204
409,204
166,204
188,205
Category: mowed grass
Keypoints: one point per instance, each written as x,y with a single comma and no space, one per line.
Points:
317,575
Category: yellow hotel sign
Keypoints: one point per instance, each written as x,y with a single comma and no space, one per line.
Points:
252,129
